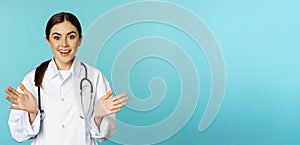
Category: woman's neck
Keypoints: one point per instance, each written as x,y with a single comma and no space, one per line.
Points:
63,66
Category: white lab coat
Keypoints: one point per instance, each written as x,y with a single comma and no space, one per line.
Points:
65,122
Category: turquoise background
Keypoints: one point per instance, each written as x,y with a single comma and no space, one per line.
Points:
260,44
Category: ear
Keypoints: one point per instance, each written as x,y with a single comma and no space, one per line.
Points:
80,40
47,41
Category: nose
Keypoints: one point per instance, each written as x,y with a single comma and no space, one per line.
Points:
64,42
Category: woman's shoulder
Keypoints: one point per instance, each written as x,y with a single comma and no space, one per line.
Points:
91,68
28,79
30,74
95,75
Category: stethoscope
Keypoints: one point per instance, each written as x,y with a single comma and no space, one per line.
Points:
85,79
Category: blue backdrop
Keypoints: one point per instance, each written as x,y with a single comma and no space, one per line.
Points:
258,40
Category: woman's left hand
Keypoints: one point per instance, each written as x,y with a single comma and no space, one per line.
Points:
109,105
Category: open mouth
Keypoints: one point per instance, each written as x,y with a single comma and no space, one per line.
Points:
64,52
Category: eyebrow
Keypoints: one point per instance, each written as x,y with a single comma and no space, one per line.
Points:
56,33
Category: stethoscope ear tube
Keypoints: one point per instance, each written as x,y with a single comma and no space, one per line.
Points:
42,112
89,111
86,116
38,78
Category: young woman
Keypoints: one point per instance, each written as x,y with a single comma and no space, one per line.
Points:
63,101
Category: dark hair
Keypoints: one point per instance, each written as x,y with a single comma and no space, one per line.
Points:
39,73
55,19
61,17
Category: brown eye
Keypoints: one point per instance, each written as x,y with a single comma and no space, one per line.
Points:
56,38
72,37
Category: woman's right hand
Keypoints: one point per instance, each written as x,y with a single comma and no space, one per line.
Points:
22,101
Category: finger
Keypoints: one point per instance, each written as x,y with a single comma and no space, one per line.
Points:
108,94
15,107
11,93
14,91
124,99
22,87
119,106
115,111
121,100
11,100
119,96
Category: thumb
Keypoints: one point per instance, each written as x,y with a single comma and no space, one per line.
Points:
22,87
108,94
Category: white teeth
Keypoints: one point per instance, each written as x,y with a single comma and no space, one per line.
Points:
64,51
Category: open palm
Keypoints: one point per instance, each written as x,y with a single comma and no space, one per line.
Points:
109,105
22,101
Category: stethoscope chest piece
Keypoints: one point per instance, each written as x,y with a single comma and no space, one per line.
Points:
42,114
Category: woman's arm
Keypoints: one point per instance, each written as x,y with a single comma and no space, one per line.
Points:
20,127
23,121
103,119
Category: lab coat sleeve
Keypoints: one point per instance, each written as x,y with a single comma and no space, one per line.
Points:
107,128
108,124
20,127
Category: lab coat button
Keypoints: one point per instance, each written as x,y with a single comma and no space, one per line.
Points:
62,99
63,126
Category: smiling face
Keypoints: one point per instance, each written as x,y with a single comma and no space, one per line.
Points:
64,41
